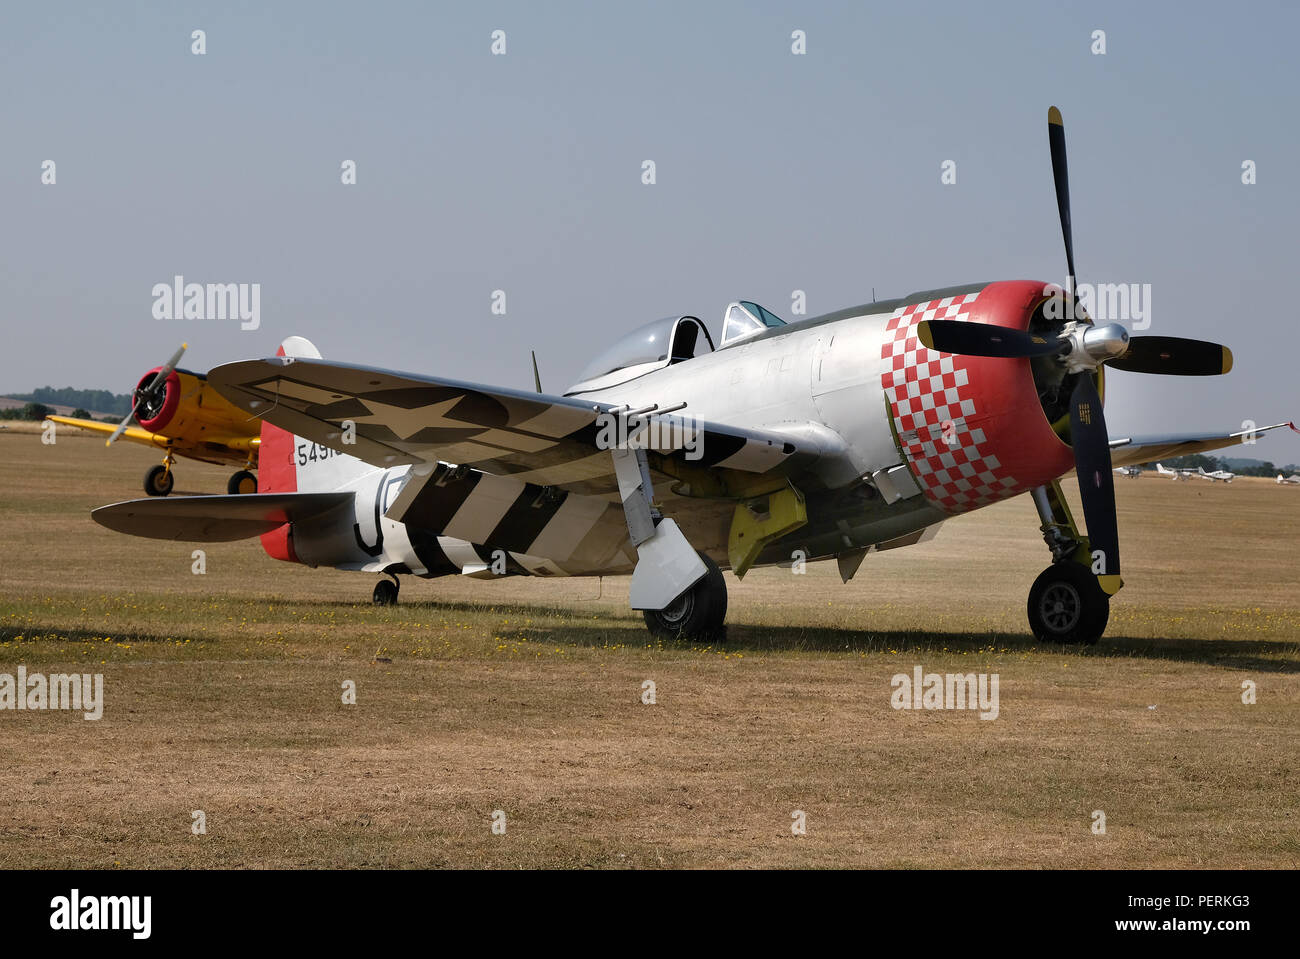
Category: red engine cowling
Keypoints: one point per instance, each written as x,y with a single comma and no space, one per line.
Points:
974,429
158,413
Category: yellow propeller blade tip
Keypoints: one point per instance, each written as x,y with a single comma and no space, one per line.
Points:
1227,360
924,335
1054,116
1110,585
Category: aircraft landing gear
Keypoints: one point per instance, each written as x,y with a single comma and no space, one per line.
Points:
1066,602
385,592
242,482
1067,606
699,613
158,481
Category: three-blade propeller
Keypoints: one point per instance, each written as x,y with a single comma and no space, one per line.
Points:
1084,348
147,395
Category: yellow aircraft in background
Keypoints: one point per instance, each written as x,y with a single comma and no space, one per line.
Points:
177,412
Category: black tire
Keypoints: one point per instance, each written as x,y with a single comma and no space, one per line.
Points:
385,593
1067,606
699,613
158,481
242,483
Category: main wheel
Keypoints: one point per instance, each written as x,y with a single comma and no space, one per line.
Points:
698,613
1067,606
385,593
241,483
158,481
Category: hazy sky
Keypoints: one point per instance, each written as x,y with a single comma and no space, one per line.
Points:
775,172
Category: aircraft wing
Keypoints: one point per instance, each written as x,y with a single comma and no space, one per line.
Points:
1144,449
531,437
132,433
214,519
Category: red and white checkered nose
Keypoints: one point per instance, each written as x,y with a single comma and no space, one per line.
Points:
971,428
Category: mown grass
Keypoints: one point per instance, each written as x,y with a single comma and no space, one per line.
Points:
224,695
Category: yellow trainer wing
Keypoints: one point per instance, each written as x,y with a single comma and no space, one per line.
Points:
132,433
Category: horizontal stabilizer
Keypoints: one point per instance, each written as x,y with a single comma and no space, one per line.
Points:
214,519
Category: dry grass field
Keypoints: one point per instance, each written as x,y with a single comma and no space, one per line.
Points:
223,694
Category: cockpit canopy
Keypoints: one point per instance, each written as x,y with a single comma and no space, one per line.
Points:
743,319
674,339
653,346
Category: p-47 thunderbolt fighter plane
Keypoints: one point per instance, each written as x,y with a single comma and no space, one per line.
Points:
670,459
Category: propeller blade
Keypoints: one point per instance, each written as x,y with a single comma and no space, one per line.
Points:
1061,176
167,368
980,339
537,377
121,427
1096,481
1174,355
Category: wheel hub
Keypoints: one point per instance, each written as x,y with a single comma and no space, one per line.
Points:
678,610
1061,607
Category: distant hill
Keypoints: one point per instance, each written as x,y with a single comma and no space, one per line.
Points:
98,402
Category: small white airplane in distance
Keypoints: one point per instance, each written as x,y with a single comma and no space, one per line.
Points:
1132,472
1215,476
1293,479
1178,474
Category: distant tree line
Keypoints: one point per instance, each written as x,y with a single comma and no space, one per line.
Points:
36,412
1212,463
101,400
32,411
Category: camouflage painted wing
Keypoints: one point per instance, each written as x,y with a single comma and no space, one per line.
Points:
1132,451
547,441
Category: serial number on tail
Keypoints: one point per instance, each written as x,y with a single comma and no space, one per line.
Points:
314,453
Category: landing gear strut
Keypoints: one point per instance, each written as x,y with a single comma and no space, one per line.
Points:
1066,603
158,481
698,613
385,592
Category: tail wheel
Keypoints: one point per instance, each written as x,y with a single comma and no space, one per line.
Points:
242,483
699,613
158,481
1067,606
385,593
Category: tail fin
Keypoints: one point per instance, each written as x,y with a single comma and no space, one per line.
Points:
291,464
276,467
